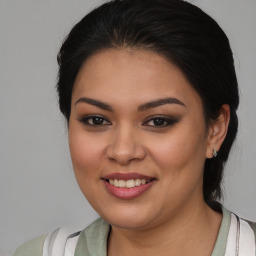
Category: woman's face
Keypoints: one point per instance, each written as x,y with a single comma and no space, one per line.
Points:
135,119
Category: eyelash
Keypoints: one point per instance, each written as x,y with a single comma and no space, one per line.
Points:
85,120
167,121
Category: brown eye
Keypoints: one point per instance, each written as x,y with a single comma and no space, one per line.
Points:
160,122
94,120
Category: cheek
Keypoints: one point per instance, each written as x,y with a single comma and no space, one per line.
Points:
86,152
180,160
180,151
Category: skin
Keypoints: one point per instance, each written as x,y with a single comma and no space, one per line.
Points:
172,210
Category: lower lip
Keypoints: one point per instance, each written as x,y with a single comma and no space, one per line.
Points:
127,193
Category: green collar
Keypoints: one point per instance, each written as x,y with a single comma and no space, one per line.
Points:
93,239
221,242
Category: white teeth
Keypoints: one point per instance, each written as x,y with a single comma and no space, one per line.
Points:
122,183
128,184
116,183
137,182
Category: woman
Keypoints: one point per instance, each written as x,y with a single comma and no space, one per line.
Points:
150,95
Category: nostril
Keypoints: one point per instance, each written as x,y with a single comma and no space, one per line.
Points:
125,153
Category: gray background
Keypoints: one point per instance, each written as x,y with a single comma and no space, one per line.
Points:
38,191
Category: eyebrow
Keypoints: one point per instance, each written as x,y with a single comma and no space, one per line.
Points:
96,103
159,102
143,107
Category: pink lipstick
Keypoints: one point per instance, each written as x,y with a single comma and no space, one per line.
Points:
128,185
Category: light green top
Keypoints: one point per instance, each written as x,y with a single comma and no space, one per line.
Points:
31,248
93,239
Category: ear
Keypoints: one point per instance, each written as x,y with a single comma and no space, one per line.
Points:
218,131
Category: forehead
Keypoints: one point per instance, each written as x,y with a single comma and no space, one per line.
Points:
136,75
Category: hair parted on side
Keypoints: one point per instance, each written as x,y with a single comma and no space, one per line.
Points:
175,29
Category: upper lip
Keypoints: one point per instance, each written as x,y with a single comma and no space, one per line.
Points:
126,176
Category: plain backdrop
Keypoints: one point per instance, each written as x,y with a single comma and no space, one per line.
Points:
38,191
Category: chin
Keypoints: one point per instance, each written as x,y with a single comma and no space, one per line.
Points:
127,223
128,217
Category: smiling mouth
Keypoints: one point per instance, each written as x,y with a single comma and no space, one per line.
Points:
132,183
127,185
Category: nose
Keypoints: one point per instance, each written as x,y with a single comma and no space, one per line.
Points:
125,146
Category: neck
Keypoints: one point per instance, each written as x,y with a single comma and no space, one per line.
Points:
192,231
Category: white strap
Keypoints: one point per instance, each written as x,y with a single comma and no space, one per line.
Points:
247,241
47,242
58,248
241,240
60,242
232,236
71,246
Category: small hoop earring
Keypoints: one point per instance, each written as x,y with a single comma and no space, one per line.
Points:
214,153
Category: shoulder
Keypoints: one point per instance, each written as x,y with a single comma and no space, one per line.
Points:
233,228
92,239
250,224
245,230
31,248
